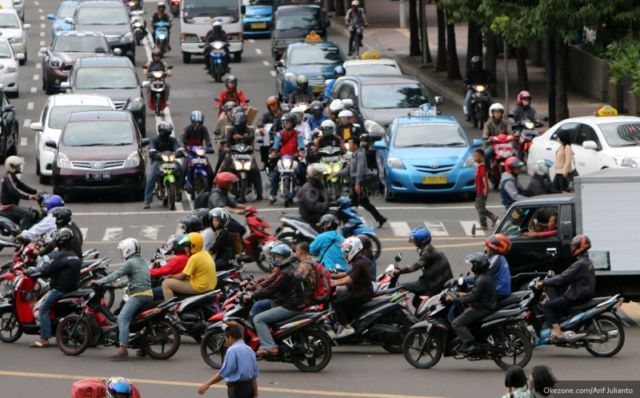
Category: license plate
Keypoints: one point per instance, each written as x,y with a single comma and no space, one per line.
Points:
167,166
318,89
98,176
260,25
434,180
199,161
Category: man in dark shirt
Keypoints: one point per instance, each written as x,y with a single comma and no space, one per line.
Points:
312,199
13,189
164,142
216,33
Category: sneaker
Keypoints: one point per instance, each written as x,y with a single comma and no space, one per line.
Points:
494,221
120,356
272,200
146,206
345,332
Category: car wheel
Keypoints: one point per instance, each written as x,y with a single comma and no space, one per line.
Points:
186,58
15,94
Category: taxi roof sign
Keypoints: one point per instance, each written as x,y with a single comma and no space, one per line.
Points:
607,110
312,37
370,54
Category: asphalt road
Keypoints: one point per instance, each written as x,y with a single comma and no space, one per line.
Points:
354,371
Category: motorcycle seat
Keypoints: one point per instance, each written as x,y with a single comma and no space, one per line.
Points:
376,301
502,314
76,293
513,299
299,317
591,303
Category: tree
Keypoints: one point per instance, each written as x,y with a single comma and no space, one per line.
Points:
414,32
441,61
453,65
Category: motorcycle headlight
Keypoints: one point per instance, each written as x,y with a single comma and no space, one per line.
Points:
127,37
624,161
218,45
468,162
63,161
133,160
136,104
480,88
247,165
157,74
201,152
529,125
395,163
237,164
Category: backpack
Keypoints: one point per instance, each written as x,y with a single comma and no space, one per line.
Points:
323,284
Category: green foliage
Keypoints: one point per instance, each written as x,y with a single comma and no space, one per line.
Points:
624,61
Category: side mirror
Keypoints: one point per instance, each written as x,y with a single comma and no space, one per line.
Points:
26,26
37,126
398,258
146,84
42,51
477,143
590,145
439,100
117,52
210,150
65,86
51,144
51,17
20,57
243,9
145,141
380,145
1,87
68,21
373,129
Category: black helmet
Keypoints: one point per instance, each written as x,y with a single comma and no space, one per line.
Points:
316,108
190,223
289,117
366,241
63,237
328,222
165,129
203,214
156,52
237,109
479,262
62,216
240,119
476,61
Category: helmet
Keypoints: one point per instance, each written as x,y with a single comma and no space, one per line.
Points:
366,241
541,167
221,214
316,170
302,81
289,117
197,117
240,119
156,52
192,240
12,163
62,237
216,24
284,251
579,244
316,108
203,214
229,105
190,223
496,107
62,216
523,95
346,114
351,247
328,128
52,202
171,245
328,222
267,247
479,262
164,129
224,180
336,106
298,112
118,387
499,243
355,3
231,79
236,110
513,163
128,247
344,201
161,4
339,70
420,236
476,61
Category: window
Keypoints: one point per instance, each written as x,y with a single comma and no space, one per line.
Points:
570,127
105,78
393,96
347,92
531,222
621,134
103,16
59,114
5,51
585,133
9,21
315,55
97,133
80,44
429,135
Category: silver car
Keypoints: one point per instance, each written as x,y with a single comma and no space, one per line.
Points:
12,29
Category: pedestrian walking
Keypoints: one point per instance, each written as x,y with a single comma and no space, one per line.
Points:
565,169
239,369
482,190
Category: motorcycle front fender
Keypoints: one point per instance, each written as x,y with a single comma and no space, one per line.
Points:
218,325
170,178
364,229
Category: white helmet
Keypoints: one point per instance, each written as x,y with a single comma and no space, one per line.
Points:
266,249
496,107
355,3
541,167
128,247
316,170
328,127
12,163
299,112
345,113
216,23
336,106
351,247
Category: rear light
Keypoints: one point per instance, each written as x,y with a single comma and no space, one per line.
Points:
528,316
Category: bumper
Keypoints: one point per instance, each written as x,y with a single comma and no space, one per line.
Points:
10,82
195,49
403,181
75,180
258,26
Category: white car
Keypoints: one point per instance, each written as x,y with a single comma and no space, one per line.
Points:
14,31
9,69
382,66
17,5
598,142
53,119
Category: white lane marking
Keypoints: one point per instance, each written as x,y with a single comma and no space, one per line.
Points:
273,73
37,3
42,43
252,41
150,232
43,25
84,233
266,63
26,123
34,90
39,65
258,51
36,77
470,227
41,34
112,234
400,228
42,17
24,141
40,10
436,228
30,106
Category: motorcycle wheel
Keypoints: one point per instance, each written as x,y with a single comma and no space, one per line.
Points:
610,325
157,107
244,186
200,184
289,238
377,246
286,192
213,348
73,335
262,262
10,330
317,352
418,343
170,190
164,336
515,345
109,297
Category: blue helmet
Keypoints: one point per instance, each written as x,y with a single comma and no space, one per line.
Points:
339,70
420,236
281,250
53,201
344,201
118,387
197,117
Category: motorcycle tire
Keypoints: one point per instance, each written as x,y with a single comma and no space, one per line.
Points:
73,335
614,324
158,332
10,330
213,348
289,238
157,107
200,184
523,339
262,263
317,345
170,191
416,342
109,297
243,189
376,245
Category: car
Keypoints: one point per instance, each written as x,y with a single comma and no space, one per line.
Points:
58,59
12,29
292,23
426,155
598,142
9,69
382,98
110,18
53,119
381,66
17,5
63,18
98,151
258,17
9,128
114,77
316,60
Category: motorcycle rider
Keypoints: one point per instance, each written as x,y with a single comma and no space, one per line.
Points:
496,247
289,142
174,265
510,189
286,291
339,71
540,183
216,34
241,133
327,247
62,217
436,270
578,282
302,93
524,110
136,269
480,301
496,125
164,142
317,115
198,276
335,107
347,126
206,231
231,92
161,16
64,274
273,117
224,124
476,75
312,199
196,133
156,64
219,197
14,189
301,124
355,19
223,248
328,137
45,227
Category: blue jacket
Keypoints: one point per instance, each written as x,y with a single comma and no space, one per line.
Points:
315,123
327,90
499,271
326,247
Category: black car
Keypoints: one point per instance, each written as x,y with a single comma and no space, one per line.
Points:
113,77
8,128
293,23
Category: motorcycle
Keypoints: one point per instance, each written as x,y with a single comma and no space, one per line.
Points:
138,26
503,149
197,178
356,39
293,231
259,235
174,7
192,313
157,91
161,38
92,324
479,105
10,224
331,158
353,224
134,5
287,167
166,188
242,158
525,131
217,60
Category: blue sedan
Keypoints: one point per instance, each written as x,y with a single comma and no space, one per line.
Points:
65,12
426,155
258,18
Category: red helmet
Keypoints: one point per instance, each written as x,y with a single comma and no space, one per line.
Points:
225,179
513,163
499,243
522,95
272,100
579,244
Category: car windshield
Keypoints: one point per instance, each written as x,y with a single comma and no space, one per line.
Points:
103,16
393,96
105,78
303,19
66,10
9,21
621,134
315,55
98,133
80,44
208,8
257,2
5,50
372,69
429,135
58,115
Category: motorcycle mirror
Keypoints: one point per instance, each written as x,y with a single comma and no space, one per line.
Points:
551,274
145,142
398,257
146,84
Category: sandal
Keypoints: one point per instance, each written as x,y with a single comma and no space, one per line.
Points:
39,344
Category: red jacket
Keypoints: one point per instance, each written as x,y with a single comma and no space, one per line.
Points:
237,97
289,142
174,266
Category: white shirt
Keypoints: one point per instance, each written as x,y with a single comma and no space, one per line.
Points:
46,227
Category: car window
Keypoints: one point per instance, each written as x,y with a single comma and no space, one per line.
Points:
102,16
105,78
392,96
429,135
304,19
257,2
315,55
584,133
536,222
336,89
59,114
66,10
5,50
347,92
98,133
80,44
621,134
9,21
571,127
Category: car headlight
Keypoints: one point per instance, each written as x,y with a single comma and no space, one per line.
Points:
62,161
468,162
624,161
15,39
127,37
136,104
12,69
395,163
133,160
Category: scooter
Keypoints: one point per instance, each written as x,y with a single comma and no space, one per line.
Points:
479,104
161,39
217,60
259,235
197,178
503,149
166,188
10,225
138,26
331,158
293,231
242,158
174,7
353,224
157,91
287,167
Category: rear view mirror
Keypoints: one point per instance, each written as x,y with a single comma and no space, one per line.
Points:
380,145
146,84
117,51
65,86
592,145
20,57
51,144
145,142
37,126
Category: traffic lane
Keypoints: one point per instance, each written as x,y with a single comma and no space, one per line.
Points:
354,371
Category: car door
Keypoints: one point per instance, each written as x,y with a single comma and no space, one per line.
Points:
382,154
9,123
586,160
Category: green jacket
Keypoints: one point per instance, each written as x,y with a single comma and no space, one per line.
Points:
136,270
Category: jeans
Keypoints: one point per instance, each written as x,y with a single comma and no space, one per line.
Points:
260,306
262,321
467,102
129,310
481,208
153,177
47,302
22,216
554,309
157,293
462,322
